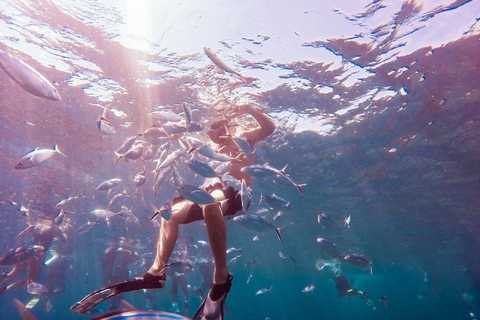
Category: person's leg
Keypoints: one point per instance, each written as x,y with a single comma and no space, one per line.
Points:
168,237
217,236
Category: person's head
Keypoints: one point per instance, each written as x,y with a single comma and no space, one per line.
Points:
217,131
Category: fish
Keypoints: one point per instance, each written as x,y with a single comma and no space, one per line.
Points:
14,256
263,291
233,249
347,221
36,288
164,116
36,157
284,256
25,313
277,216
325,221
160,177
384,301
310,289
165,211
134,153
155,135
232,182
260,171
173,128
188,114
222,168
212,154
108,184
196,291
276,203
27,77
203,169
329,247
257,223
219,62
191,142
104,214
232,261
195,194
86,227
250,276
245,195
127,144
180,267
177,180
241,143
117,198
170,159
104,126
358,260
140,178
60,216
66,201
284,180
150,153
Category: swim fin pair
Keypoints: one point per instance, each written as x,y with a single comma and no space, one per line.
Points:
213,310
146,281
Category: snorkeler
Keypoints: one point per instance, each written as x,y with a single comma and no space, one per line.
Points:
42,233
184,211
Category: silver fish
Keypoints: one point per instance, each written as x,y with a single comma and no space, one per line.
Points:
27,77
174,156
325,220
256,223
245,195
164,116
155,135
64,202
134,153
160,177
329,247
277,216
285,256
36,157
188,114
127,145
117,198
195,194
104,214
310,289
165,211
86,227
104,126
14,256
358,260
219,61
60,216
232,249
263,291
173,128
36,288
140,178
108,184
212,154
276,203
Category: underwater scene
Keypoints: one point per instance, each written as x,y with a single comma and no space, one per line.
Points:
240,159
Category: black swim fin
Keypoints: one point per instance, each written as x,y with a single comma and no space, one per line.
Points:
213,310
146,281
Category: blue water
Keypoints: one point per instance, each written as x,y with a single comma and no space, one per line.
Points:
376,107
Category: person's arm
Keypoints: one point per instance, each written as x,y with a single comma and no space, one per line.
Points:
266,125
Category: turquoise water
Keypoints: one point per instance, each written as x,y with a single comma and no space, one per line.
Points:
376,107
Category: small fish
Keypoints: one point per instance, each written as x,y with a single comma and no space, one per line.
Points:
310,289
232,182
232,261
155,135
177,180
284,256
160,177
276,203
232,249
347,221
140,178
245,195
284,180
219,62
104,214
255,238
203,169
325,220
36,288
86,227
108,184
181,267
116,198
165,211
277,216
263,291
212,154
164,116
14,256
358,260
241,143
170,159
174,128
27,77
150,153
64,202
250,276
196,291
384,301
195,194
104,126
257,223
188,114
127,144
134,153
60,216
36,157
329,247
260,171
